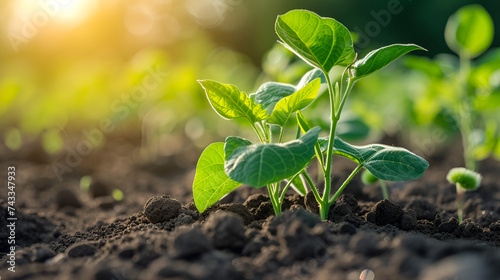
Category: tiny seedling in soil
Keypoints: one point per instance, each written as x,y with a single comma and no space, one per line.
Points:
322,43
368,178
465,180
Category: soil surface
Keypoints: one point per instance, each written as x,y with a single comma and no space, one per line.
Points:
66,232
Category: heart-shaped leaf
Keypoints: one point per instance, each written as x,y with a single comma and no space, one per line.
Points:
469,31
321,42
270,93
385,162
310,76
260,165
379,58
295,102
230,103
210,181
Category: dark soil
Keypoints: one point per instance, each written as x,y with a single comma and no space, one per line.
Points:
63,232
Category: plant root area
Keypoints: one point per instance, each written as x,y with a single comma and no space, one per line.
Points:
66,231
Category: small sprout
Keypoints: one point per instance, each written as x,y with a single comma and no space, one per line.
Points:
367,274
465,180
368,178
117,195
85,182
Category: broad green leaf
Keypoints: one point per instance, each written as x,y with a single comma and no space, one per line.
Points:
385,162
210,181
469,31
234,142
379,58
260,165
230,103
295,102
396,164
270,93
321,42
310,76
299,185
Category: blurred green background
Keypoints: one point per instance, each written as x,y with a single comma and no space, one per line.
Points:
82,69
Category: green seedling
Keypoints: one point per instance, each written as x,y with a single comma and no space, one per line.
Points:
368,179
465,180
323,43
469,33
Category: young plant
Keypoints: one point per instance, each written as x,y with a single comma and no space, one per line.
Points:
469,33
368,178
465,180
323,43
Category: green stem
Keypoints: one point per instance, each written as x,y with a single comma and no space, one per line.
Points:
281,134
339,191
311,184
350,85
273,190
282,196
460,204
262,140
329,153
383,186
465,115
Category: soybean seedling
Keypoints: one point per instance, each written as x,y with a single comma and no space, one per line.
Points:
465,180
368,178
469,33
323,43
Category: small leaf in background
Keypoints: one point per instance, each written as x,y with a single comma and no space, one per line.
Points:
469,31
379,58
310,76
210,181
352,128
321,42
230,103
295,102
233,142
260,165
270,93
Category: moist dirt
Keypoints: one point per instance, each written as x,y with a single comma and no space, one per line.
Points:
155,232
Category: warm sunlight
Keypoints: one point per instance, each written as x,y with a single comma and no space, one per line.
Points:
70,13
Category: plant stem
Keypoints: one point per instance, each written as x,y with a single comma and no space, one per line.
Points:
383,186
465,115
281,134
460,204
282,196
262,140
324,203
273,190
311,184
339,191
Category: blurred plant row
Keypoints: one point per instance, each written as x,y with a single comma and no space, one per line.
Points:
82,94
